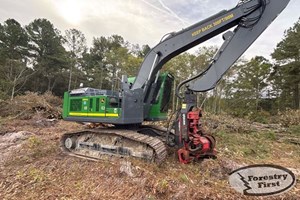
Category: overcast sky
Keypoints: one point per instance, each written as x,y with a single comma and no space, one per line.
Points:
140,21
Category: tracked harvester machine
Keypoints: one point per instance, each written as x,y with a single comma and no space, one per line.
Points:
146,97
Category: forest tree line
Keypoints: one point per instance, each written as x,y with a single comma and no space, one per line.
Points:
38,57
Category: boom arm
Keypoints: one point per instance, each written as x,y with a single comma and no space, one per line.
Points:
252,18
235,44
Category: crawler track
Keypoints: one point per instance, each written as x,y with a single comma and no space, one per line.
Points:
103,143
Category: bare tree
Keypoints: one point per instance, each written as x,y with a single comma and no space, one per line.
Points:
76,43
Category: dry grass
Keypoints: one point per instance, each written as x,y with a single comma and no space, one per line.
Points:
40,171
288,118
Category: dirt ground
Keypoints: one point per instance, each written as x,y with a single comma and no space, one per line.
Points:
32,166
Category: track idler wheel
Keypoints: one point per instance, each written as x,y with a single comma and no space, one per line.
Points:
70,143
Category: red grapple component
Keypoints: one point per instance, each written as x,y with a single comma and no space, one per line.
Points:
183,156
200,144
205,144
194,117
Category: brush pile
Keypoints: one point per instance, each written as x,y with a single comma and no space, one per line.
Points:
31,104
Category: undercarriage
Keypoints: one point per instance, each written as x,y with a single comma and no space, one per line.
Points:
107,143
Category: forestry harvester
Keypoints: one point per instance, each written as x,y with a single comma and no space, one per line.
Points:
146,97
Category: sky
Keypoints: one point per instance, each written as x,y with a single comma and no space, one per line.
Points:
140,21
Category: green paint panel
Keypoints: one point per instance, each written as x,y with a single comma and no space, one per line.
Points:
90,106
66,104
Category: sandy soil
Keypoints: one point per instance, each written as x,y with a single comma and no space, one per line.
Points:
33,167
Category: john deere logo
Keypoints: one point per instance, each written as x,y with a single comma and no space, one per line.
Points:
262,180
